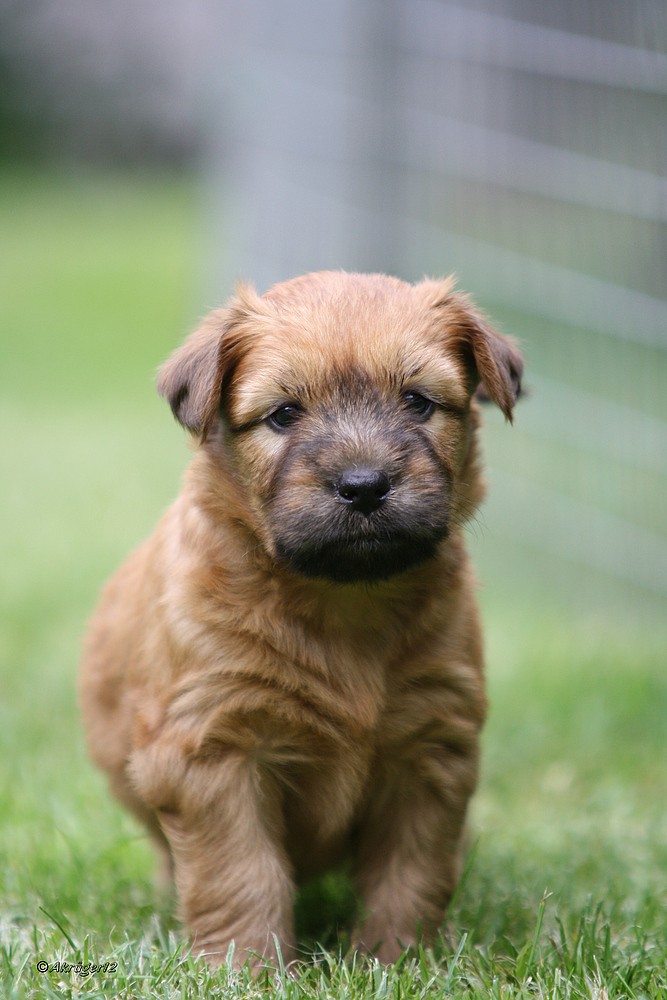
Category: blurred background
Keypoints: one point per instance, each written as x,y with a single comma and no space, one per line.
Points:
152,154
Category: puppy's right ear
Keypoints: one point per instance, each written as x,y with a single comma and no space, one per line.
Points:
191,379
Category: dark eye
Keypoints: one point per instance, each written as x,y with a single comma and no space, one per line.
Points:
284,416
418,404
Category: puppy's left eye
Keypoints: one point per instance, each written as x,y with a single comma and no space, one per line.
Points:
418,404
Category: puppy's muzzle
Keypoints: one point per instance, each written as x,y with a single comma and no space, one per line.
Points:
363,490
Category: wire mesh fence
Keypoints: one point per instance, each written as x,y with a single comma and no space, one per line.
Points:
522,146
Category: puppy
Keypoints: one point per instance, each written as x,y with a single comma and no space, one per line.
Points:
288,673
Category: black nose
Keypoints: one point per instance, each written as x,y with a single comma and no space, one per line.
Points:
363,489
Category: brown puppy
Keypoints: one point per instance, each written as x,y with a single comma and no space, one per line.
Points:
289,671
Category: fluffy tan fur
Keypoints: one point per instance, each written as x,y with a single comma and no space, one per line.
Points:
267,722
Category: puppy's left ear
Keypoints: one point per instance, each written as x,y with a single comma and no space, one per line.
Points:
492,359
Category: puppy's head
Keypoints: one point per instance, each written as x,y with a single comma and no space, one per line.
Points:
343,404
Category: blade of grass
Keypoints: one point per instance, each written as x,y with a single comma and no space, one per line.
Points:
60,927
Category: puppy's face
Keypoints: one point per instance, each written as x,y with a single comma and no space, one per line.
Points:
344,404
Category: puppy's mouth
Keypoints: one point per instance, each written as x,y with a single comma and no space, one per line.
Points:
362,526
363,557
366,563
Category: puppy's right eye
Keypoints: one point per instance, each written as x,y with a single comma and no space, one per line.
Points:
284,417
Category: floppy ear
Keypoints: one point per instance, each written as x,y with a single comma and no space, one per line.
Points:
498,362
493,360
191,379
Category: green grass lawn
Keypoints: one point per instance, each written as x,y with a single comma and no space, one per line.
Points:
565,893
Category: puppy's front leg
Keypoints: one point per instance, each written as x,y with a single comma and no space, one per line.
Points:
409,850
224,825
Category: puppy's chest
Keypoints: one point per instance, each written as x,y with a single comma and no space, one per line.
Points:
336,711
330,727
328,755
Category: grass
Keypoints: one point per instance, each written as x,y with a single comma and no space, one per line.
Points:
565,892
